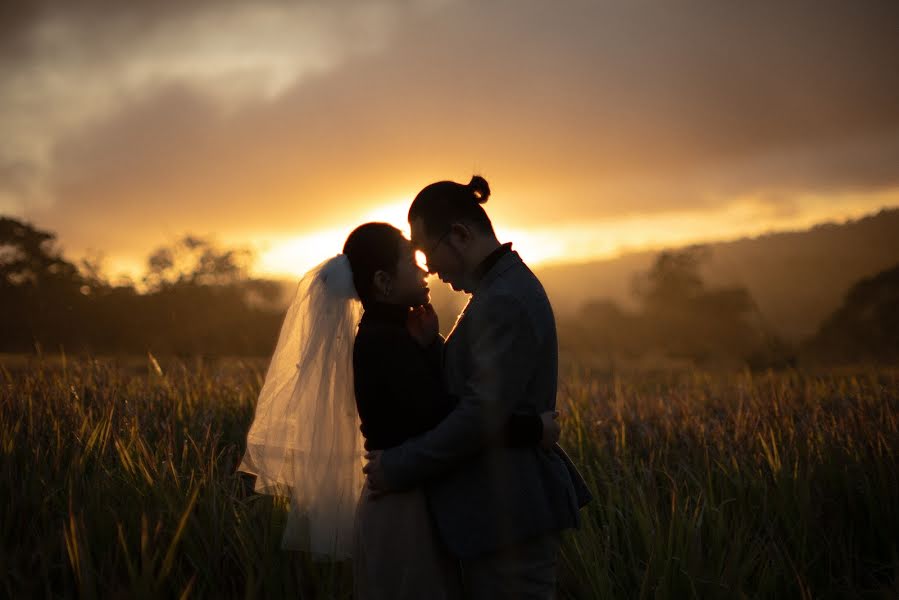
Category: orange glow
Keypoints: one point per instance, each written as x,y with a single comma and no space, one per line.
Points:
291,257
283,256
584,241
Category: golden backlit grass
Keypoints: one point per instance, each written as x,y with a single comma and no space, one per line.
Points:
739,485
118,481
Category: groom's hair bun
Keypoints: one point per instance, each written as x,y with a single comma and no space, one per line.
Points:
443,203
479,188
370,248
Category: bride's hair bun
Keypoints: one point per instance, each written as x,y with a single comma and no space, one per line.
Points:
479,188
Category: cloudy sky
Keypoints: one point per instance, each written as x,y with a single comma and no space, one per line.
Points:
601,126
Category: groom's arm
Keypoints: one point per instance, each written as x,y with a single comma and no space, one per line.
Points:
503,352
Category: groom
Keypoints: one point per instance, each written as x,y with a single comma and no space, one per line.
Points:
499,509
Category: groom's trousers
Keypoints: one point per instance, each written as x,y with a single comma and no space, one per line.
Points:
523,571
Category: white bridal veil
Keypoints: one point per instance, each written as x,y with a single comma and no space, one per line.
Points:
305,441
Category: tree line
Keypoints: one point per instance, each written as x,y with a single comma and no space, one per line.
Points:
194,298
197,298
679,316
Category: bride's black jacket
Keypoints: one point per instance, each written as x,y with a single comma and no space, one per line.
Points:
399,385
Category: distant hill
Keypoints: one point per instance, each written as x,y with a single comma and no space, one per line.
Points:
865,327
797,278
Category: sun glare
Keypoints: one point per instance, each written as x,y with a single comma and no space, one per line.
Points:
420,259
294,256
291,257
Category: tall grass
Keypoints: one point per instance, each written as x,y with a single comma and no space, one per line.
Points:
118,481
123,484
735,486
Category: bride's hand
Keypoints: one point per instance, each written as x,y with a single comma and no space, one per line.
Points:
551,428
423,324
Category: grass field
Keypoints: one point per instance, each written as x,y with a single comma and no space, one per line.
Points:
118,481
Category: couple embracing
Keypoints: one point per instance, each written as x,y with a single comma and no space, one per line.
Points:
465,490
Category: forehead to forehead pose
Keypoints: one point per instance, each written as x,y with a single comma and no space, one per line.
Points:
358,366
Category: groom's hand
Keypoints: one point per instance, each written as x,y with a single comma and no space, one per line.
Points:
552,430
374,471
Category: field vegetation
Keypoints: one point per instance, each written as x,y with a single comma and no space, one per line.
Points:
119,481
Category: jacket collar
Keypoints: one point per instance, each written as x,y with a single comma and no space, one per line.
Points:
491,260
505,262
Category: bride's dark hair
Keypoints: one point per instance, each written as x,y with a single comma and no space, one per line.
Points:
441,204
372,247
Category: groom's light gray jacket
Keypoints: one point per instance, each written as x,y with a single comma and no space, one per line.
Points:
501,358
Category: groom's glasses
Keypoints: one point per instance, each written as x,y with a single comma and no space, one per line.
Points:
432,249
422,253
436,245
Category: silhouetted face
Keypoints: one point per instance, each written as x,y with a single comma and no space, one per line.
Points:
409,285
443,260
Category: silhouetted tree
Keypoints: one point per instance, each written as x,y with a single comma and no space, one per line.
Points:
196,261
866,326
93,274
29,257
673,281
40,292
681,317
687,319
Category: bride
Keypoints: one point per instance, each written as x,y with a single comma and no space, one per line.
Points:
331,393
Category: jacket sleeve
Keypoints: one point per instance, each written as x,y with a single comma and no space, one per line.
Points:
503,348
523,431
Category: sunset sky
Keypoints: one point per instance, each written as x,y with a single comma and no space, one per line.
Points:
601,126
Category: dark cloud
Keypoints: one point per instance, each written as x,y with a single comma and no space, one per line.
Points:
578,110
16,179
